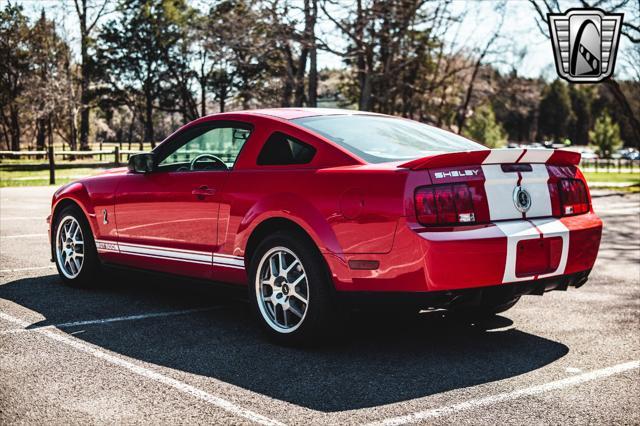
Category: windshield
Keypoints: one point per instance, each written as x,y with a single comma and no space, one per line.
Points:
378,139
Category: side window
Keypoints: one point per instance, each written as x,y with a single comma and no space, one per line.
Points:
206,149
281,149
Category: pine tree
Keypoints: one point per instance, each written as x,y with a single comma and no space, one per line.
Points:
605,136
483,127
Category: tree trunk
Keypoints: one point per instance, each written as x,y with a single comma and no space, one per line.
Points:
462,111
133,121
290,77
41,134
84,79
302,65
203,97
5,130
304,52
312,96
360,55
15,129
148,119
617,93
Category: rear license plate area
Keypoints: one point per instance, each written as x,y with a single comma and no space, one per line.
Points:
538,256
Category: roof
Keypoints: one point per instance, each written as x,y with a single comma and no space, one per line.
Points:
292,113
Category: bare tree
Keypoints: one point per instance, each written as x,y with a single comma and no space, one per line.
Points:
89,13
630,29
462,111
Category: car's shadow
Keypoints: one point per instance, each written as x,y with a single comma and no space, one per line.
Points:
383,359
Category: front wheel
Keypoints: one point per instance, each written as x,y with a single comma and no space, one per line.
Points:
74,248
289,289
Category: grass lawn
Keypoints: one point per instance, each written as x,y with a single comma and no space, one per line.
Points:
41,177
612,177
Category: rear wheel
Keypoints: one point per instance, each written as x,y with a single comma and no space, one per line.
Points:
290,290
74,248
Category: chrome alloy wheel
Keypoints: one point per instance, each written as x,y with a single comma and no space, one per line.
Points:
69,247
282,290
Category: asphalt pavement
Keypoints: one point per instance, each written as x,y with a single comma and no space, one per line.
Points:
143,349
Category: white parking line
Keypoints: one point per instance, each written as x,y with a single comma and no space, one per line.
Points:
42,218
508,396
114,319
24,236
148,373
32,268
134,317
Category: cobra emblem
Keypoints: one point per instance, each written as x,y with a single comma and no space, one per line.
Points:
521,199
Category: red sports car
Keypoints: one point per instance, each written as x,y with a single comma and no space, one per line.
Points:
312,207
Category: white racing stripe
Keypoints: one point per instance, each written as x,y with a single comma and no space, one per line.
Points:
499,188
157,252
228,260
535,183
165,253
519,230
148,373
504,155
509,396
555,228
541,155
515,231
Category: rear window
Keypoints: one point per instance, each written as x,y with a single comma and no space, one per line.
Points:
281,150
382,139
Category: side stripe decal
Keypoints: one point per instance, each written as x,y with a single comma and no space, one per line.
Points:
191,256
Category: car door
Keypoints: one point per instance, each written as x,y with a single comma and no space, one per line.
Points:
167,219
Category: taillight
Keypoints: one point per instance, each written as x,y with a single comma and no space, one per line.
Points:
573,197
444,205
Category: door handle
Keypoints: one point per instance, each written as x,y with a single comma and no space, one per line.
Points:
203,191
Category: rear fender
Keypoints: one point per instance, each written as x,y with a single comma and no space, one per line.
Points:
291,207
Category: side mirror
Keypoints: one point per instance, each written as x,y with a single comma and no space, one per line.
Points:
141,163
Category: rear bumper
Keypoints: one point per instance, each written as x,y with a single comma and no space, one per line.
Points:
465,297
468,257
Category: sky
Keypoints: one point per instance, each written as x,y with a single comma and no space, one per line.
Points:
519,34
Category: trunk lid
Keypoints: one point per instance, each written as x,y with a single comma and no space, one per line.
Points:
504,184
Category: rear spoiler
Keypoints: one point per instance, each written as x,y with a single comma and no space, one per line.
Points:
556,157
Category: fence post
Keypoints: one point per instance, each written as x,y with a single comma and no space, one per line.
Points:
52,167
116,154
100,151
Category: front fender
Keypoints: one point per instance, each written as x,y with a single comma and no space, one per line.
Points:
95,196
78,194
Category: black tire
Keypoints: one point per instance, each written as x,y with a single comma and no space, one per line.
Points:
321,313
87,274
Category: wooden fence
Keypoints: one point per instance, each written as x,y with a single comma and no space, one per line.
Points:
51,154
118,156
611,165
